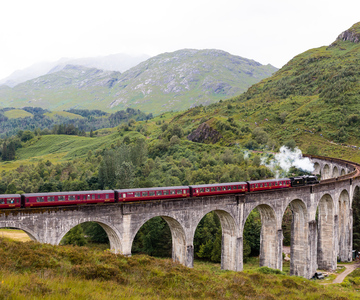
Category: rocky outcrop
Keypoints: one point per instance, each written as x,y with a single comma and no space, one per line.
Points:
351,35
205,133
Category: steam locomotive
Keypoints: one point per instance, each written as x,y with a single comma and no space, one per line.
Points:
156,193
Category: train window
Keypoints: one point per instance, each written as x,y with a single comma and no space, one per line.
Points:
71,198
224,188
219,188
124,195
2,201
207,189
256,185
51,198
179,192
172,192
158,193
276,183
261,185
213,189
38,199
280,183
144,194
107,196
93,197
137,194
61,198
151,193
201,190
166,192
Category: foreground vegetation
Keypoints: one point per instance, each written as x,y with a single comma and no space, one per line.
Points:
51,272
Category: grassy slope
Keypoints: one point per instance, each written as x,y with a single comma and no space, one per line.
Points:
52,272
17,113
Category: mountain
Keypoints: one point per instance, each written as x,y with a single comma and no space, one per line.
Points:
114,62
169,81
187,78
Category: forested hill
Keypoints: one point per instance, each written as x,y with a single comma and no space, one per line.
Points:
169,81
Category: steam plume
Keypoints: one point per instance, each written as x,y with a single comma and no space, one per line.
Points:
286,158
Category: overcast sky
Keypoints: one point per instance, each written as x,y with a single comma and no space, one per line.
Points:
268,31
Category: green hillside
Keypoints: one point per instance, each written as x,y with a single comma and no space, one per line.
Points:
17,113
315,96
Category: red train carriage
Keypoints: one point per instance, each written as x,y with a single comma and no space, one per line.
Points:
10,201
68,198
269,184
218,189
155,193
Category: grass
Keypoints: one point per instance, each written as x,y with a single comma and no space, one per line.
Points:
17,113
14,234
33,270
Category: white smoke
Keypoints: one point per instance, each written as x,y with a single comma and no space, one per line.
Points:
286,159
246,154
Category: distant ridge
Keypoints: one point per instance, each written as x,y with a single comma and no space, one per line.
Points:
113,62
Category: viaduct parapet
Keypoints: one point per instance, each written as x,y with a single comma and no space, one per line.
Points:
321,229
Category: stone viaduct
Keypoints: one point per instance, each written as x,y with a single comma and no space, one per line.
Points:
321,228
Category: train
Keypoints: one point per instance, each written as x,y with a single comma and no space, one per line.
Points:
154,193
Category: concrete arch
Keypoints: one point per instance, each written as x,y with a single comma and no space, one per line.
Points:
299,247
268,236
326,173
345,227
179,249
231,255
343,172
32,235
113,235
317,168
326,254
335,172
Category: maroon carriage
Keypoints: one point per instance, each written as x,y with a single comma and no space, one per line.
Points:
10,201
218,189
68,198
155,193
269,184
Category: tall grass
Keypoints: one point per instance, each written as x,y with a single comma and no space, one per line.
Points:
32,270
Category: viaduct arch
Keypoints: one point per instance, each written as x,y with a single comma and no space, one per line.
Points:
321,227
